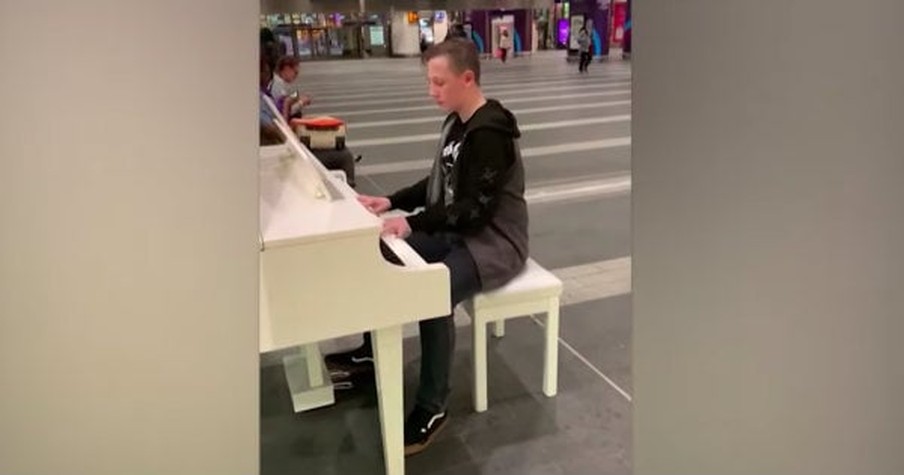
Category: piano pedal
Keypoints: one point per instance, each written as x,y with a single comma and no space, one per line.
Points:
339,375
348,381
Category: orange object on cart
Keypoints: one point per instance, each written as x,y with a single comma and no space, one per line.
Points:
323,122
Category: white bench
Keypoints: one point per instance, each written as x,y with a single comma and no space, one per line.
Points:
535,290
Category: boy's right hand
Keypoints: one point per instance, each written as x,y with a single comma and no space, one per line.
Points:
375,204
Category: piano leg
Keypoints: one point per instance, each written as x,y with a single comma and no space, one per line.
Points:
387,343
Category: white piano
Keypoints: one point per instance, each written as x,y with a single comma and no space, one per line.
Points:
322,276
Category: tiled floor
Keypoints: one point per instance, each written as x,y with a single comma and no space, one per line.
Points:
583,236
585,427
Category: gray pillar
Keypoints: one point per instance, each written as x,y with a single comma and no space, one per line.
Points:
768,173
128,243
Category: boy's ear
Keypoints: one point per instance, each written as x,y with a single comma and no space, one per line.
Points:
468,75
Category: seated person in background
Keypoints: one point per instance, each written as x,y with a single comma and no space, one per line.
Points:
474,220
269,133
283,92
271,48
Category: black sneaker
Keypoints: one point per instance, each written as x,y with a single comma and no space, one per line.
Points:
421,428
352,361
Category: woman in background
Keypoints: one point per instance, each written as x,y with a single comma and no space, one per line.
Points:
505,44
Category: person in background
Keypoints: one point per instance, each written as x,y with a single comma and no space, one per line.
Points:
423,43
271,49
473,219
269,133
505,44
284,92
626,43
457,31
584,44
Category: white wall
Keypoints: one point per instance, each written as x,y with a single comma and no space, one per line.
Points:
406,39
768,161
440,30
128,259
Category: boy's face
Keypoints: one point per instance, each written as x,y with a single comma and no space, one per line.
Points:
447,87
289,73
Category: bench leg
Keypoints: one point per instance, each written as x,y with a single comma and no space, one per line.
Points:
551,353
499,328
479,329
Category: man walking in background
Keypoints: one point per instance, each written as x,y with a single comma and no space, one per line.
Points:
584,44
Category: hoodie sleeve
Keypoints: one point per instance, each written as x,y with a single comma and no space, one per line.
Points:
489,156
414,196
410,198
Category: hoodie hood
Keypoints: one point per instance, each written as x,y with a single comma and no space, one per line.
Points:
494,116
499,246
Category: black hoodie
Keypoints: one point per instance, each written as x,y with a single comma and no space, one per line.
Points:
479,195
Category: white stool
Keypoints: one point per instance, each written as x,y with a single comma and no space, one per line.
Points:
535,290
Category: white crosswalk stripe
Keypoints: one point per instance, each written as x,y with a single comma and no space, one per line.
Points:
517,112
502,95
524,128
409,90
549,150
516,100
